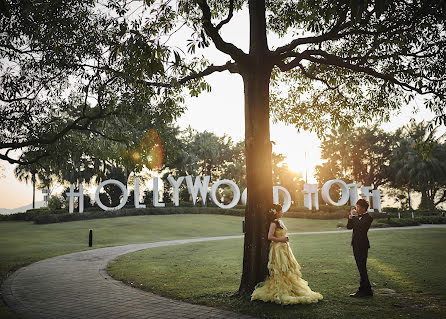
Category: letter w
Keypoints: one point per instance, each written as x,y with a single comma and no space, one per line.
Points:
193,189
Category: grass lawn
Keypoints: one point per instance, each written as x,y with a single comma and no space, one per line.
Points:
25,242
406,268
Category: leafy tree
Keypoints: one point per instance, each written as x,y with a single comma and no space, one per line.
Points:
347,61
235,168
27,173
360,155
56,78
403,156
419,163
287,178
54,203
400,196
185,162
212,152
91,160
204,153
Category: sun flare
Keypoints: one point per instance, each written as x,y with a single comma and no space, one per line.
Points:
302,150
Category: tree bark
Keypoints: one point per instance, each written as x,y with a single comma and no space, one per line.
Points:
259,180
424,198
408,197
256,78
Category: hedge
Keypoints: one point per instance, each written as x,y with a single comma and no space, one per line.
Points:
431,220
398,222
45,216
57,218
395,222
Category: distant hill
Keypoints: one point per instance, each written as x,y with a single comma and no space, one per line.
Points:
22,209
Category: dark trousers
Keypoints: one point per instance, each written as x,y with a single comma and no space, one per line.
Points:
361,262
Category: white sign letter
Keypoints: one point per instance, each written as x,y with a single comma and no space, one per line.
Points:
156,194
286,200
193,188
353,190
310,201
376,195
344,192
136,195
124,193
366,193
235,190
244,196
80,194
176,186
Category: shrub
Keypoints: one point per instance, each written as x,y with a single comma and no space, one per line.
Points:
87,202
395,222
54,202
390,210
92,214
376,215
431,220
29,215
38,210
316,214
45,216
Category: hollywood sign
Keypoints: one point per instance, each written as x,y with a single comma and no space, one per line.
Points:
311,199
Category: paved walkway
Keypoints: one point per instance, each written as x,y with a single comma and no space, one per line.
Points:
77,286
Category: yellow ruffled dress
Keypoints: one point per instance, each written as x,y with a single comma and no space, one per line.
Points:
284,284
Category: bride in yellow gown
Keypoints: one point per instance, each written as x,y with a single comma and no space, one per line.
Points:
284,285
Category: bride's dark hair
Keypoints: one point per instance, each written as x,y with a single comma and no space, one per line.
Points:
272,214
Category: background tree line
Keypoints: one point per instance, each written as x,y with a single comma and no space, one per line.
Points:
410,159
172,152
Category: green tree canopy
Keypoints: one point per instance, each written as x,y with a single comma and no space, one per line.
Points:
56,76
358,155
419,163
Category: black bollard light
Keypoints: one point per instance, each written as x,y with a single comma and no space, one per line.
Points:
243,226
90,238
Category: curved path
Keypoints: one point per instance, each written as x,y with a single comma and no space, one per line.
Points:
77,286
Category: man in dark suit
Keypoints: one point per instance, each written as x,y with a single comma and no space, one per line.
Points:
359,220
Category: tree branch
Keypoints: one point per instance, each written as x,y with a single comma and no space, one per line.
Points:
313,77
228,66
72,126
231,11
225,47
441,199
20,162
333,34
35,92
290,65
329,59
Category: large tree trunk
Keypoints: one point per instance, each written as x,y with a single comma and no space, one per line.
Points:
259,181
430,197
256,78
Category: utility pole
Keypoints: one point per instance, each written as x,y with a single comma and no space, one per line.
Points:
306,168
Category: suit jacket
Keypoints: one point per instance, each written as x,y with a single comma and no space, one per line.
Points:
360,228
